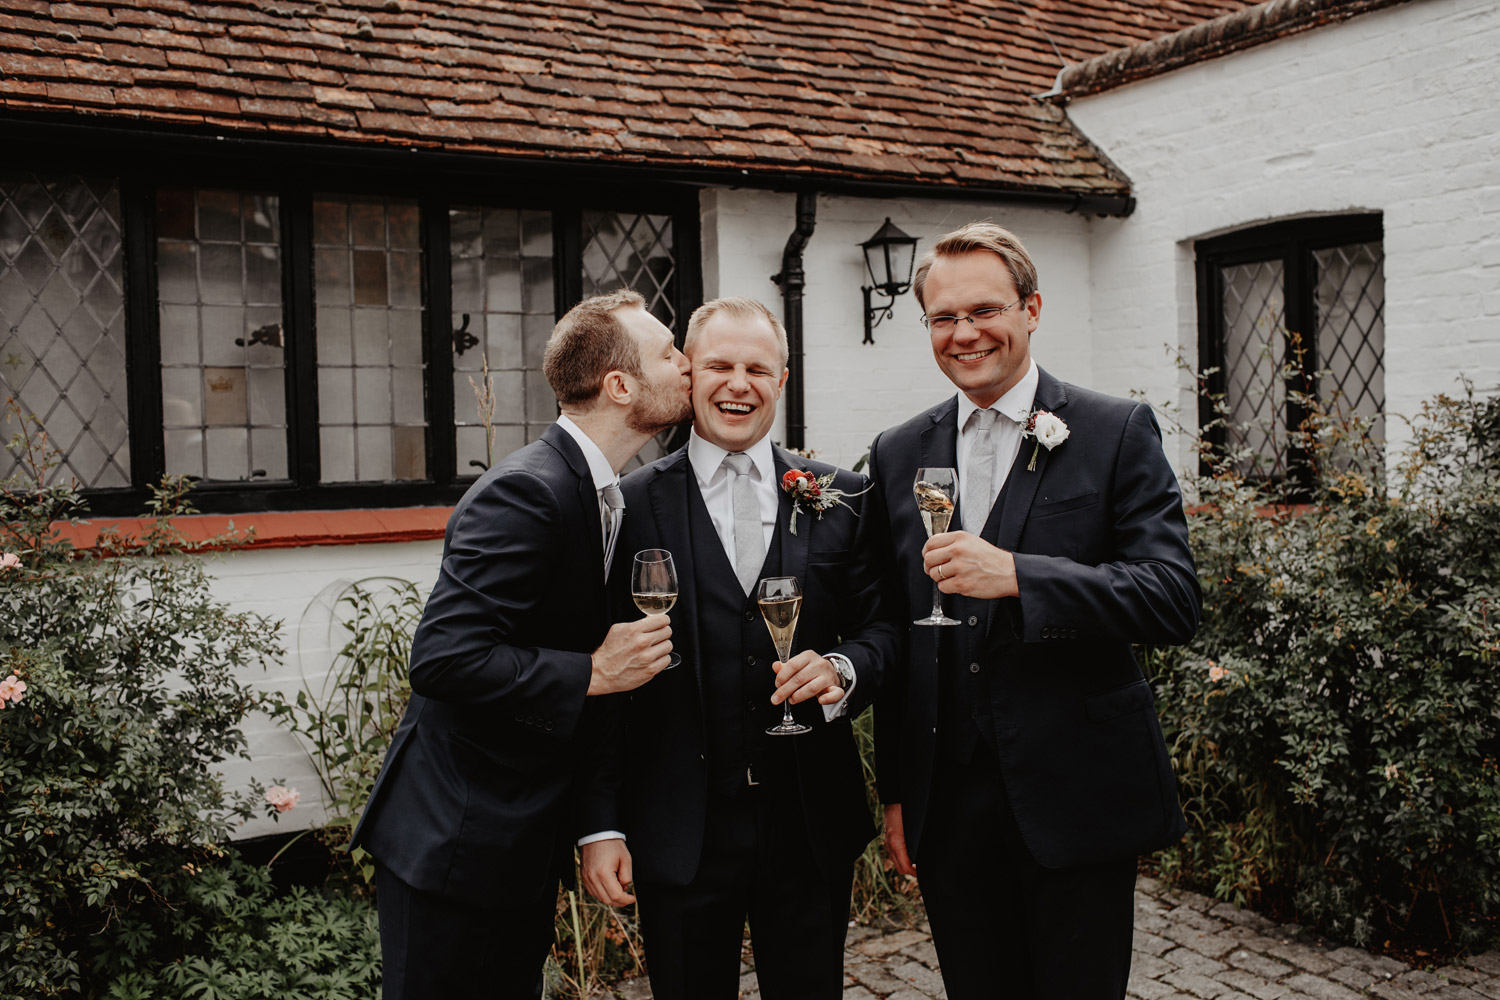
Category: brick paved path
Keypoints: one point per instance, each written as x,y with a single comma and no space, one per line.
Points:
1187,947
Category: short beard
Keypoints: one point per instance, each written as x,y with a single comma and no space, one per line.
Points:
657,415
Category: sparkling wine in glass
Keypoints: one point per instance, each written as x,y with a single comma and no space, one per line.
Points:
780,601
653,586
935,490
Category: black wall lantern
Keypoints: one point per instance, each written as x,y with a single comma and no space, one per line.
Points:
889,256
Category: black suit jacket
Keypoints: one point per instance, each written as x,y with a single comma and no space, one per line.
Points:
473,800
1102,559
654,787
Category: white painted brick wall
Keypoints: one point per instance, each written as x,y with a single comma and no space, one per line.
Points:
1393,111
853,390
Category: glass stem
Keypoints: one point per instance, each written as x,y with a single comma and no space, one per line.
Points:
937,601
786,706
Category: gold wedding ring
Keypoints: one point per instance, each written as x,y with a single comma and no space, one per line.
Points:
941,574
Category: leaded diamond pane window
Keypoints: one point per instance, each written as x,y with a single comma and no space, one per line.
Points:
1291,309
223,371
627,250
503,308
62,323
367,255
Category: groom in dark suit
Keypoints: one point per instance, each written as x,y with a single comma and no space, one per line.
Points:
721,821
471,820
1019,756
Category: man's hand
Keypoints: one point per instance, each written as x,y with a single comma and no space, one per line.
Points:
961,563
632,653
606,871
806,675
895,840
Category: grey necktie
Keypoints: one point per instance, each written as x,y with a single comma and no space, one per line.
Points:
979,477
749,538
614,513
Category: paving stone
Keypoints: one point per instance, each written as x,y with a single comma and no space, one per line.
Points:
924,952
633,989
1355,979
1391,991
1198,986
920,976
1193,961
889,943
1453,992
858,993
909,995
1149,966
1256,986
1418,981
875,977
1488,962
1323,989
1303,956
1258,964
1489,988
1149,989
858,933
1150,944
1458,974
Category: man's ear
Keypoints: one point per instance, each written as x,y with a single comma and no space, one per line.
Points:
617,388
785,372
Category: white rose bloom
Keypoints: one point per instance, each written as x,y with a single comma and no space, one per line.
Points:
1050,430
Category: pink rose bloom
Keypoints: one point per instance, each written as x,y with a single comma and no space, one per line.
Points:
1216,673
284,799
9,561
11,689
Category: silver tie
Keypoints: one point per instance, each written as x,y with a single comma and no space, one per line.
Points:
749,538
979,478
614,514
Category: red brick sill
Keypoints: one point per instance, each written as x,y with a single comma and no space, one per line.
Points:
286,529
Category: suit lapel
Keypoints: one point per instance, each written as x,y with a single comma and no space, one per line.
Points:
587,495
1022,484
670,494
793,547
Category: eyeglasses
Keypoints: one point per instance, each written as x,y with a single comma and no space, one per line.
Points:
980,319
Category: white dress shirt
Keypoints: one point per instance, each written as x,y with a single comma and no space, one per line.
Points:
715,483
1014,408
602,472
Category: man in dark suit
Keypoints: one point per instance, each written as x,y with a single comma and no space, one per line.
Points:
1019,756
723,821
471,820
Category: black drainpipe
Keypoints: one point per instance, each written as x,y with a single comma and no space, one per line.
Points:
792,279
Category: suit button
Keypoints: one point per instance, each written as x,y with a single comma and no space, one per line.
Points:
973,619
973,668
548,727
1072,633
750,661
1046,633
520,717
749,616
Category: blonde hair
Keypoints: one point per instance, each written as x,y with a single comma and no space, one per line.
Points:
587,344
981,236
740,308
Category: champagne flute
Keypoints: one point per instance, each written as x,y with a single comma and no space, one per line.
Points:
935,489
653,586
780,601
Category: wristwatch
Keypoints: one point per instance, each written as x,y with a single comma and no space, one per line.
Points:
844,667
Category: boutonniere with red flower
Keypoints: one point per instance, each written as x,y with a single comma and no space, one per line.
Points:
1047,429
812,494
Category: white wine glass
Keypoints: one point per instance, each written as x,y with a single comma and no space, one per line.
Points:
653,586
780,601
935,490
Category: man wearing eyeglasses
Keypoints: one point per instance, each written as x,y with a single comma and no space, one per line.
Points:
1019,758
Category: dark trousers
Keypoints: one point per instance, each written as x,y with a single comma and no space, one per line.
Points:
1004,926
432,948
757,864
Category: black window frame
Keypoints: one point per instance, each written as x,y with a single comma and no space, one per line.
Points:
437,182
1294,242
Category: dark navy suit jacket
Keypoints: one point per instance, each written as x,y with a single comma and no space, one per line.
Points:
655,787
1101,550
473,802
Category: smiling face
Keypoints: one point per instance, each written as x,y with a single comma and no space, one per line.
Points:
985,363
738,374
663,399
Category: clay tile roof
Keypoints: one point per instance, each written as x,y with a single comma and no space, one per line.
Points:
926,92
1228,33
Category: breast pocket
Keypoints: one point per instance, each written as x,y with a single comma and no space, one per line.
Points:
1051,508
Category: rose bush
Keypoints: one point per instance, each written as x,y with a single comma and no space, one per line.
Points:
1334,723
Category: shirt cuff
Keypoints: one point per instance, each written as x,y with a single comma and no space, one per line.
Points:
602,835
841,707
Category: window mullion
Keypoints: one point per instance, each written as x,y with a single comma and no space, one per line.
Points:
303,447
142,339
437,339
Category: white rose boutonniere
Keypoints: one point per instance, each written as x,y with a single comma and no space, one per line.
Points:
1049,431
